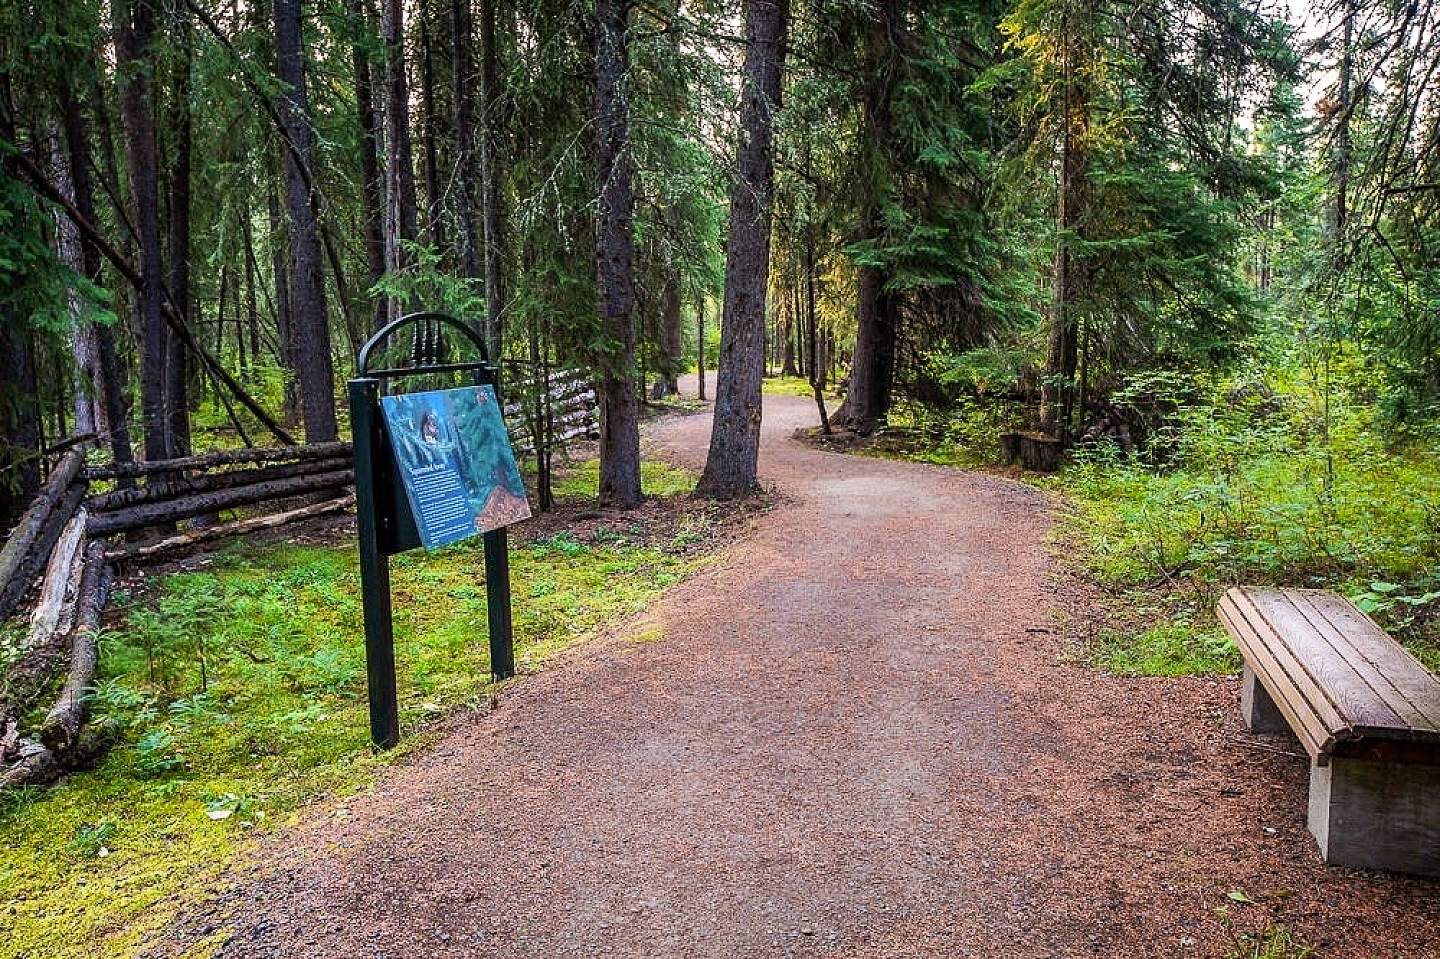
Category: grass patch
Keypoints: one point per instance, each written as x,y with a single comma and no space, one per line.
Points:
237,693
790,386
1167,649
657,478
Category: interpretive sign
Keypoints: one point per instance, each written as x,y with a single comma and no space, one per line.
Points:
456,463
430,468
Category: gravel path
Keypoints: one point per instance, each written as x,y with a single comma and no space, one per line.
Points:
857,737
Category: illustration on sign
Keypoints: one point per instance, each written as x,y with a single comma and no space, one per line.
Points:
456,463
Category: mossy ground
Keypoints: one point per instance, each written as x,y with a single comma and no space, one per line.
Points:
237,690
790,386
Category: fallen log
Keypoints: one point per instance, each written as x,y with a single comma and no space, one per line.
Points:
25,680
55,587
170,511
61,729
35,765
183,540
18,585
209,482
262,454
32,522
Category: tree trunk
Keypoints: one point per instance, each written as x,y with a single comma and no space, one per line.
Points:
733,461
872,374
86,373
462,105
372,185
252,317
614,260
490,175
177,406
1057,392
135,60
107,385
667,381
434,208
400,215
311,333
787,333
700,342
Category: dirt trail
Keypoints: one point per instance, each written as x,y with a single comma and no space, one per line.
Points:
856,738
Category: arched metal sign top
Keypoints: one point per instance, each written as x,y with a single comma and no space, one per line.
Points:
427,346
384,523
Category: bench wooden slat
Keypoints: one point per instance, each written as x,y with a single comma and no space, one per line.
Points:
1357,703
1392,670
1255,637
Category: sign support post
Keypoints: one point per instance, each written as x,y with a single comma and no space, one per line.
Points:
374,566
385,525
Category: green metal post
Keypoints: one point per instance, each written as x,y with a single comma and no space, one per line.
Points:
497,601
374,566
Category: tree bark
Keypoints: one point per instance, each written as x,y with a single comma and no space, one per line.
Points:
491,216
106,370
1057,392
177,373
263,454
154,514
400,214
313,365
135,61
872,375
280,276
372,184
28,530
667,382
434,205
700,342
789,329
462,105
16,586
70,249
156,490
614,260
733,461
61,729
49,612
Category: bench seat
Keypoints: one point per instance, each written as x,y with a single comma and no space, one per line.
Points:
1364,708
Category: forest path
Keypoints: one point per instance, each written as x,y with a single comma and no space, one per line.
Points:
857,737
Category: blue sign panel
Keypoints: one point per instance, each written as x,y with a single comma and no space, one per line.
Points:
456,462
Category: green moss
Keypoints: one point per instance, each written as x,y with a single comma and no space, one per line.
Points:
101,859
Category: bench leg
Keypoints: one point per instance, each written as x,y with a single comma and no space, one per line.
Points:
1376,815
1257,709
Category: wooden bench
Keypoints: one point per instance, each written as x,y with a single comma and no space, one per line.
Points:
1366,711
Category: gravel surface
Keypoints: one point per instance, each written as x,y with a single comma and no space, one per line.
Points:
857,737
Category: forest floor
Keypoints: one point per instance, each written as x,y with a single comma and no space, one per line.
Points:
857,733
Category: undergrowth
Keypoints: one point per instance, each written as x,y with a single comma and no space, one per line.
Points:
237,694
1255,492
1273,479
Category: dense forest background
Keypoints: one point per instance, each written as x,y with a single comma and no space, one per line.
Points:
1190,241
